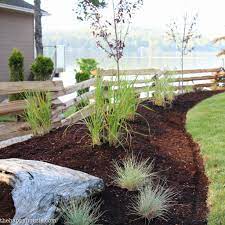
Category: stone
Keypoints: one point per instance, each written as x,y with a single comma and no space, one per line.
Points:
39,187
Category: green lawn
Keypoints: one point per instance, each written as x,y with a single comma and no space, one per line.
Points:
206,123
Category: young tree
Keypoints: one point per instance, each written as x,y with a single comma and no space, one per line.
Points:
110,31
184,37
38,27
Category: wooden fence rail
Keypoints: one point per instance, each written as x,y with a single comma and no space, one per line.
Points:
152,72
207,79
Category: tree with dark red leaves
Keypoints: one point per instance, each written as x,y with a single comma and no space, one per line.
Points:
110,22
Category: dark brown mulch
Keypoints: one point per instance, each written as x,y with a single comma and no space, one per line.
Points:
177,159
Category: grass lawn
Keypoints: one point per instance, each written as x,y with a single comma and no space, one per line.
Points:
206,123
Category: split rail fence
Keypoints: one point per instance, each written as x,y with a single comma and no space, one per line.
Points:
200,78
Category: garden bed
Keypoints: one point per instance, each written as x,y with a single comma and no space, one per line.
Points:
176,157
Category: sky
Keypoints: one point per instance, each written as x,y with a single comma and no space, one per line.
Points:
154,15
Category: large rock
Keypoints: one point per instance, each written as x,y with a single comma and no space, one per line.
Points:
38,188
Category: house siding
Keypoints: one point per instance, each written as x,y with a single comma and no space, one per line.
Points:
16,31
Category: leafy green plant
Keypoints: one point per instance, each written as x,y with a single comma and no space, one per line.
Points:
83,212
133,173
38,112
82,76
16,67
153,202
42,68
163,91
87,66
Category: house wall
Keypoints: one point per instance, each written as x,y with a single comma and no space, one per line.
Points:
16,31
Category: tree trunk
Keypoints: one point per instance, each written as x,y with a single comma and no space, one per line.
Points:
38,27
118,69
182,75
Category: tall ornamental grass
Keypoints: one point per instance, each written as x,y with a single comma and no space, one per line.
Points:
121,107
112,110
96,121
38,112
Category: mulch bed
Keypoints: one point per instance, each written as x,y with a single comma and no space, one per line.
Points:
177,159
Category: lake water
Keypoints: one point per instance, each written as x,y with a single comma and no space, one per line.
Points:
198,61
207,60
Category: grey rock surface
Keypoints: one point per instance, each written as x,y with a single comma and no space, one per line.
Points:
39,187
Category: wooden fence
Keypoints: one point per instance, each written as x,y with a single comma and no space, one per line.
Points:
196,78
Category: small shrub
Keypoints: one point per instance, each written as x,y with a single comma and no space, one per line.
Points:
87,65
153,202
16,67
84,212
82,76
42,68
86,68
38,112
133,174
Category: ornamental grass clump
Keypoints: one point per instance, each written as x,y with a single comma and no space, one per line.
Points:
133,173
121,107
38,112
95,122
112,109
153,202
83,212
163,91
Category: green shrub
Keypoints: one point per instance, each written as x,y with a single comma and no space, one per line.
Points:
16,67
84,212
82,76
153,202
86,67
42,68
38,112
133,173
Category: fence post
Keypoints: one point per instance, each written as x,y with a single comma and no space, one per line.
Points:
57,108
